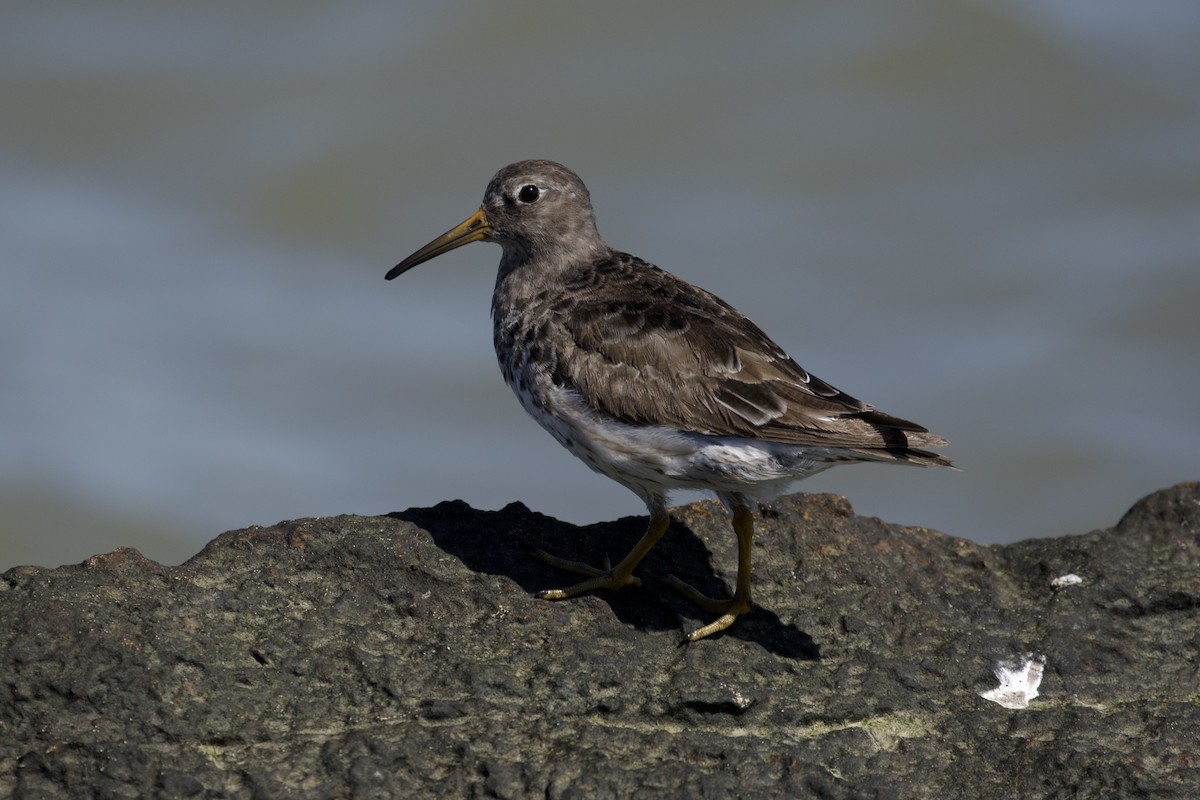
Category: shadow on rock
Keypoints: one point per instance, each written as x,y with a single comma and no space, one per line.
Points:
501,543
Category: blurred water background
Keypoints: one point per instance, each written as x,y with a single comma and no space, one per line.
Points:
983,215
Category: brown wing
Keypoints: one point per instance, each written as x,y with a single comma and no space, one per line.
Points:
651,349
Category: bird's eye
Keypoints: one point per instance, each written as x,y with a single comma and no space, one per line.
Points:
528,193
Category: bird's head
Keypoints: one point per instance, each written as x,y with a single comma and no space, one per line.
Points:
536,210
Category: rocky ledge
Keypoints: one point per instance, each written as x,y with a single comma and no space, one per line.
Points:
403,656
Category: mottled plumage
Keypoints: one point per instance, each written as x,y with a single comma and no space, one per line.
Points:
652,381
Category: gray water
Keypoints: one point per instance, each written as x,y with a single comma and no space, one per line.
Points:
981,215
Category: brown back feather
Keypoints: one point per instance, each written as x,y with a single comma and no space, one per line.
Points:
652,349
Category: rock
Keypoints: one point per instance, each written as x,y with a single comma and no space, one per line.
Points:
403,656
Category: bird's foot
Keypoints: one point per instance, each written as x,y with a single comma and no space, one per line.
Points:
729,609
599,578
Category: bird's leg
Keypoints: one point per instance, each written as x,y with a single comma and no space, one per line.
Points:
609,577
743,526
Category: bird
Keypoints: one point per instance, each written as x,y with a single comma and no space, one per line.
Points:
652,381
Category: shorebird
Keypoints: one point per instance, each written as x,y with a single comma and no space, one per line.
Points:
652,381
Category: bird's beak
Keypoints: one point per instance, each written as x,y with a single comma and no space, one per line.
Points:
473,229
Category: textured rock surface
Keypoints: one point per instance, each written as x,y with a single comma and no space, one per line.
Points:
403,656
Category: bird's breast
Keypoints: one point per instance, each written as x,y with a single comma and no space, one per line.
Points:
523,338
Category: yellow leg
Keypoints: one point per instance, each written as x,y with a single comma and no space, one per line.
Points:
743,526
609,577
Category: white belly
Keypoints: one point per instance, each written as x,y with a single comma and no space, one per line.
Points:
653,460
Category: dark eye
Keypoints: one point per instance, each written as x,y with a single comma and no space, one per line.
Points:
528,193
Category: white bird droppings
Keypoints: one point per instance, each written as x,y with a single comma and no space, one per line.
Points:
1063,581
1019,681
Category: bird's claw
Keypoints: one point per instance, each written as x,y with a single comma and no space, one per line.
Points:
598,578
729,609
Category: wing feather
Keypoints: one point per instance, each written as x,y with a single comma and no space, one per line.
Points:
652,349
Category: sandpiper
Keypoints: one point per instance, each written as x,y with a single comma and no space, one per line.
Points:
652,381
